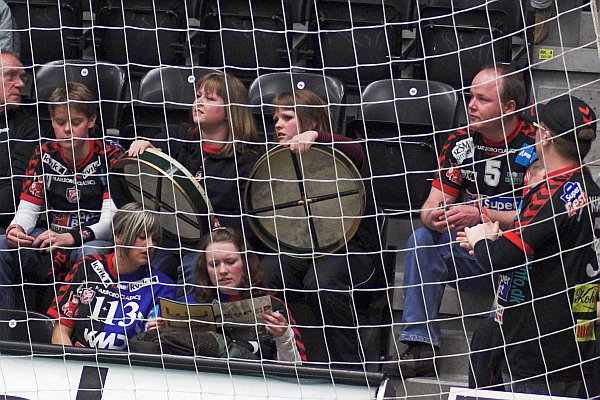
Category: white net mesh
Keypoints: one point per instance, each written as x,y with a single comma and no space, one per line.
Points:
337,229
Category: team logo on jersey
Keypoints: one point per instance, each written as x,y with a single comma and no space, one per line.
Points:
462,150
87,295
499,315
453,174
574,198
36,188
73,195
69,309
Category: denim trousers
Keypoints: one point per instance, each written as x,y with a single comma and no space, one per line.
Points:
432,260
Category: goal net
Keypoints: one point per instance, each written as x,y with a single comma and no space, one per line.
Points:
327,133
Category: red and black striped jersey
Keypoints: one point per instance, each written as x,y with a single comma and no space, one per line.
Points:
549,275
492,173
71,194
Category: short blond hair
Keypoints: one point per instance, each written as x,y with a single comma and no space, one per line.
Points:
131,220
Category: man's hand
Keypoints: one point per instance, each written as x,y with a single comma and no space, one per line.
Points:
459,217
50,239
454,218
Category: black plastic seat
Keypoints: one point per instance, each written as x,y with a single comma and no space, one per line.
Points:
246,38
142,34
105,81
458,38
266,87
357,41
25,326
165,97
48,29
404,123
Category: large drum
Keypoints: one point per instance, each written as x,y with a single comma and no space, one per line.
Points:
305,205
164,186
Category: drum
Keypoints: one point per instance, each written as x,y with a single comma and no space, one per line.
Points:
164,186
305,205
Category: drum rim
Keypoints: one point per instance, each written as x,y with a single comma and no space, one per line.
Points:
153,158
271,242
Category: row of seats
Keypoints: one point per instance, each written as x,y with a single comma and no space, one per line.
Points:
400,119
357,41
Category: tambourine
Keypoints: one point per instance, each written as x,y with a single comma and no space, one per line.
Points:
305,205
166,187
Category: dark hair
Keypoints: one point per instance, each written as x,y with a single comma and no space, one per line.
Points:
574,151
512,87
253,275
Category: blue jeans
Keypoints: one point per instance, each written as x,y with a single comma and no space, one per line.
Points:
27,264
431,261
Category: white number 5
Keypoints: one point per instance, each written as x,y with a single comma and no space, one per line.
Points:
492,172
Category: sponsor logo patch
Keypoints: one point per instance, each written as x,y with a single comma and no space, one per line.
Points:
584,298
102,273
462,150
504,286
526,155
574,198
584,330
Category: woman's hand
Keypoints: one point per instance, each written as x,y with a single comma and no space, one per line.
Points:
50,239
276,324
16,236
302,142
155,323
138,147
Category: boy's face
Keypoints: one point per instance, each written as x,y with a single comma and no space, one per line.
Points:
69,128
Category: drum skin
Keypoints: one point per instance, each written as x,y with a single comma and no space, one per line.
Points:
305,205
164,186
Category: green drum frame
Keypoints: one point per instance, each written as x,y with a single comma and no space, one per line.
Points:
183,222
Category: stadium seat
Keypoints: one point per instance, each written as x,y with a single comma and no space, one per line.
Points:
48,29
165,98
459,37
403,123
154,37
105,81
25,326
345,34
247,38
264,89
